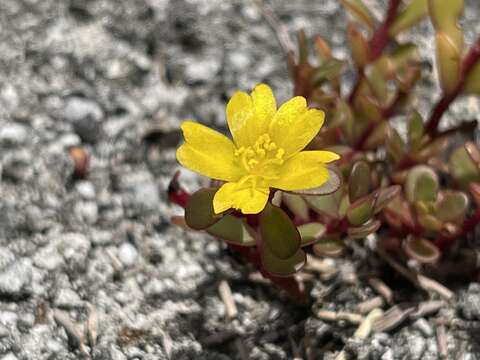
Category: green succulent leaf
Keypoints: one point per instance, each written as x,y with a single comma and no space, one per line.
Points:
333,184
421,184
330,245
445,16
297,205
199,213
377,81
462,168
283,267
359,180
358,45
361,210
378,136
422,250
449,59
452,207
311,232
279,234
330,69
384,196
429,222
416,130
327,204
360,232
395,146
411,15
358,9
472,82
233,230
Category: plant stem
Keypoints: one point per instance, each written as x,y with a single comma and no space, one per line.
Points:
469,224
380,38
378,43
470,60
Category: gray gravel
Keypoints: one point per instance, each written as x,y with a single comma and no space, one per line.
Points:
92,269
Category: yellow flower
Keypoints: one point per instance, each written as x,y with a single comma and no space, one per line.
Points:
265,152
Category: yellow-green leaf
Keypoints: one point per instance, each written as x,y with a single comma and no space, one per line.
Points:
412,14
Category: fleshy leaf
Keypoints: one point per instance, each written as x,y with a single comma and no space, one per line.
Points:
327,204
445,16
199,213
448,58
452,207
359,180
429,222
358,9
329,70
311,232
297,205
358,45
462,168
377,82
363,231
472,82
233,230
422,250
394,145
278,232
361,210
283,267
385,196
412,14
415,130
421,184
330,245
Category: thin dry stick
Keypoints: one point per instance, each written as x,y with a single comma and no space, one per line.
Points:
227,298
280,30
442,342
382,289
364,330
92,325
421,281
73,332
370,304
328,315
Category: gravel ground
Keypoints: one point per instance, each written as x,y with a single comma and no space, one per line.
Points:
92,268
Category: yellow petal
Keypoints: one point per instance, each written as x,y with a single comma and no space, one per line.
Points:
294,125
265,107
208,152
239,196
248,116
305,170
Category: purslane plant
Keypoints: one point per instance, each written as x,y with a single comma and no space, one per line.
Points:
419,197
266,151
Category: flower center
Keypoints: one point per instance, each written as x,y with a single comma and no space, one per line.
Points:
263,158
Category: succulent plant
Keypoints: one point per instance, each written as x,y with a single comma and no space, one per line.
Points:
418,192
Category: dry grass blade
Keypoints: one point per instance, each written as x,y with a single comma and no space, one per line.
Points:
280,30
421,281
226,295
328,315
382,289
370,304
442,342
392,318
427,308
92,325
74,334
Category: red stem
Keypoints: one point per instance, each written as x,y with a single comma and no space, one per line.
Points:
380,38
445,241
470,60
